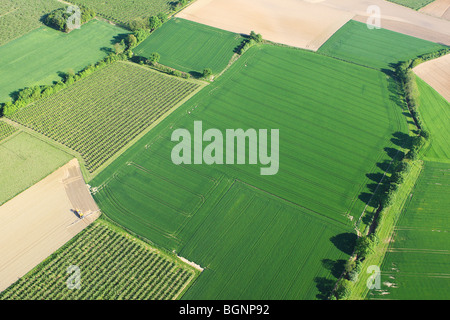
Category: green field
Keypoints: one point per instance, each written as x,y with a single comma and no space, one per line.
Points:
333,134
39,57
100,114
374,48
113,266
413,4
18,17
435,113
125,11
188,46
6,130
417,263
24,161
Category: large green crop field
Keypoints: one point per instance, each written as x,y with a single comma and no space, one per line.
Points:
25,160
374,48
189,46
39,57
435,113
125,11
417,263
18,17
112,265
99,115
335,121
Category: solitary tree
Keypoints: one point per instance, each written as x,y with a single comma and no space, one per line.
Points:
207,72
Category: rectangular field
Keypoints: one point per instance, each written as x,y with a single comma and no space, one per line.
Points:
335,120
188,46
40,57
374,48
25,160
417,263
100,114
112,266
18,17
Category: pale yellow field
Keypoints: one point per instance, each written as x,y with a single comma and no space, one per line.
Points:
41,219
438,8
296,23
309,23
437,74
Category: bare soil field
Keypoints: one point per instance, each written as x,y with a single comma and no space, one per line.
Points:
437,74
438,8
309,23
397,18
41,219
296,23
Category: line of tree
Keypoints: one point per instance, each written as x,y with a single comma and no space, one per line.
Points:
387,192
253,39
407,82
58,18
153,61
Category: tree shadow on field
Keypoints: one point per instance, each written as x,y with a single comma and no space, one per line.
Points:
118,38
325,287
345,242
335,267
107,50
195,74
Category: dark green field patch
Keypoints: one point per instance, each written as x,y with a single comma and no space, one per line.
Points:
188,46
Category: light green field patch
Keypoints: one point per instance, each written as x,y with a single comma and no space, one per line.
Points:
355,42
40,57
24,161
417,263
188,46
435,113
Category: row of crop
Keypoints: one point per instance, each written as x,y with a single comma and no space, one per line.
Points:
88,128
112,267
6,130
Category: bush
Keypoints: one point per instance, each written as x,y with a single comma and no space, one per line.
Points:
343,289
207,72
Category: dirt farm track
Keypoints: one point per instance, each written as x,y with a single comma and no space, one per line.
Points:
41,219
